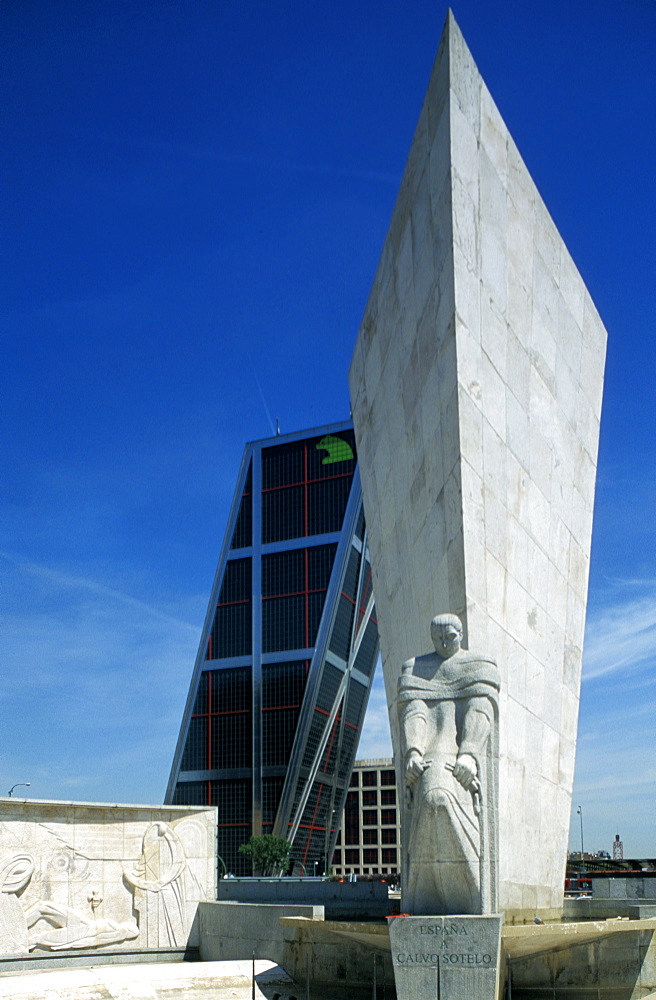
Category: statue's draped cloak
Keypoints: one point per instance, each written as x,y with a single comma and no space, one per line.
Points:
477,677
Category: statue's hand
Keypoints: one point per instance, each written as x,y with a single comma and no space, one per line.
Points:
415,767
465,771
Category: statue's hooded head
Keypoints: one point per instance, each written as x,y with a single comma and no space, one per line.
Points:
446,633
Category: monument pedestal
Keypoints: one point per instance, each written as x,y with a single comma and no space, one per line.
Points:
450,958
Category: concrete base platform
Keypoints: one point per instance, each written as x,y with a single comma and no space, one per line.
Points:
188,980
611,958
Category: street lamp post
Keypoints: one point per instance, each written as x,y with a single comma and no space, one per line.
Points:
580,815
18,785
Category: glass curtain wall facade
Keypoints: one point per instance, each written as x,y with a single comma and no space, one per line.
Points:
287,655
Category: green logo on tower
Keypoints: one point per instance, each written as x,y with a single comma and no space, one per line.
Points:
338,450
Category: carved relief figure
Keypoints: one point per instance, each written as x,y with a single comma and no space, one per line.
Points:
15,873
159,889
70,928
448,714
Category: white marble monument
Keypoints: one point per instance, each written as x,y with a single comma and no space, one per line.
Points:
86,876
476,388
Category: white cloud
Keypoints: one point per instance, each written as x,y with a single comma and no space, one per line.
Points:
622,635
94,684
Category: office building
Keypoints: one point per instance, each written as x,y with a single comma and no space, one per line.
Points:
287,652
369,838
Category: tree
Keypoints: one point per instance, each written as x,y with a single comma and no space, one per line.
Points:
268,855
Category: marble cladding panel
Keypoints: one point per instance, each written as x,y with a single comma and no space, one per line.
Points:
77,876
476,391
532,379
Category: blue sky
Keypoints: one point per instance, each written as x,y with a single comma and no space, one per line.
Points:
195,196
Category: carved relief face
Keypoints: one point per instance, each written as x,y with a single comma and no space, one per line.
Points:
446,638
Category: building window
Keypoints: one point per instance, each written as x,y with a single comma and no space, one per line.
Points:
370,798
387,778
337,857
388,836
305,486
369,778
294,588
388,797
388,817
231,630
389,855
243,534
370,856
352,856
369,817
283,685
351,817
354,782
370,836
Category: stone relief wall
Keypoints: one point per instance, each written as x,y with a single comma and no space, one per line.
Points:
76,876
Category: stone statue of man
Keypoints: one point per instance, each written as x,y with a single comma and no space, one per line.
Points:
448,714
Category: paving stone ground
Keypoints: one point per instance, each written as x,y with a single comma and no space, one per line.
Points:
169,981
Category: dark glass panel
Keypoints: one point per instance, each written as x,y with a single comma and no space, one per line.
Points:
370,798
359,528
357,694
351,576
369,817
365,660
388,817
231,632
271,792
369,778
233,798
315,607
327,765
283,623
242,536
340,639
320,566
232,740
231,690
283,514
283,464
194,757
236,585
327,504
278,731
331,679
283,684
367,585
283,573
200,705
388,797
190,793
317,726
387,778
349,742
